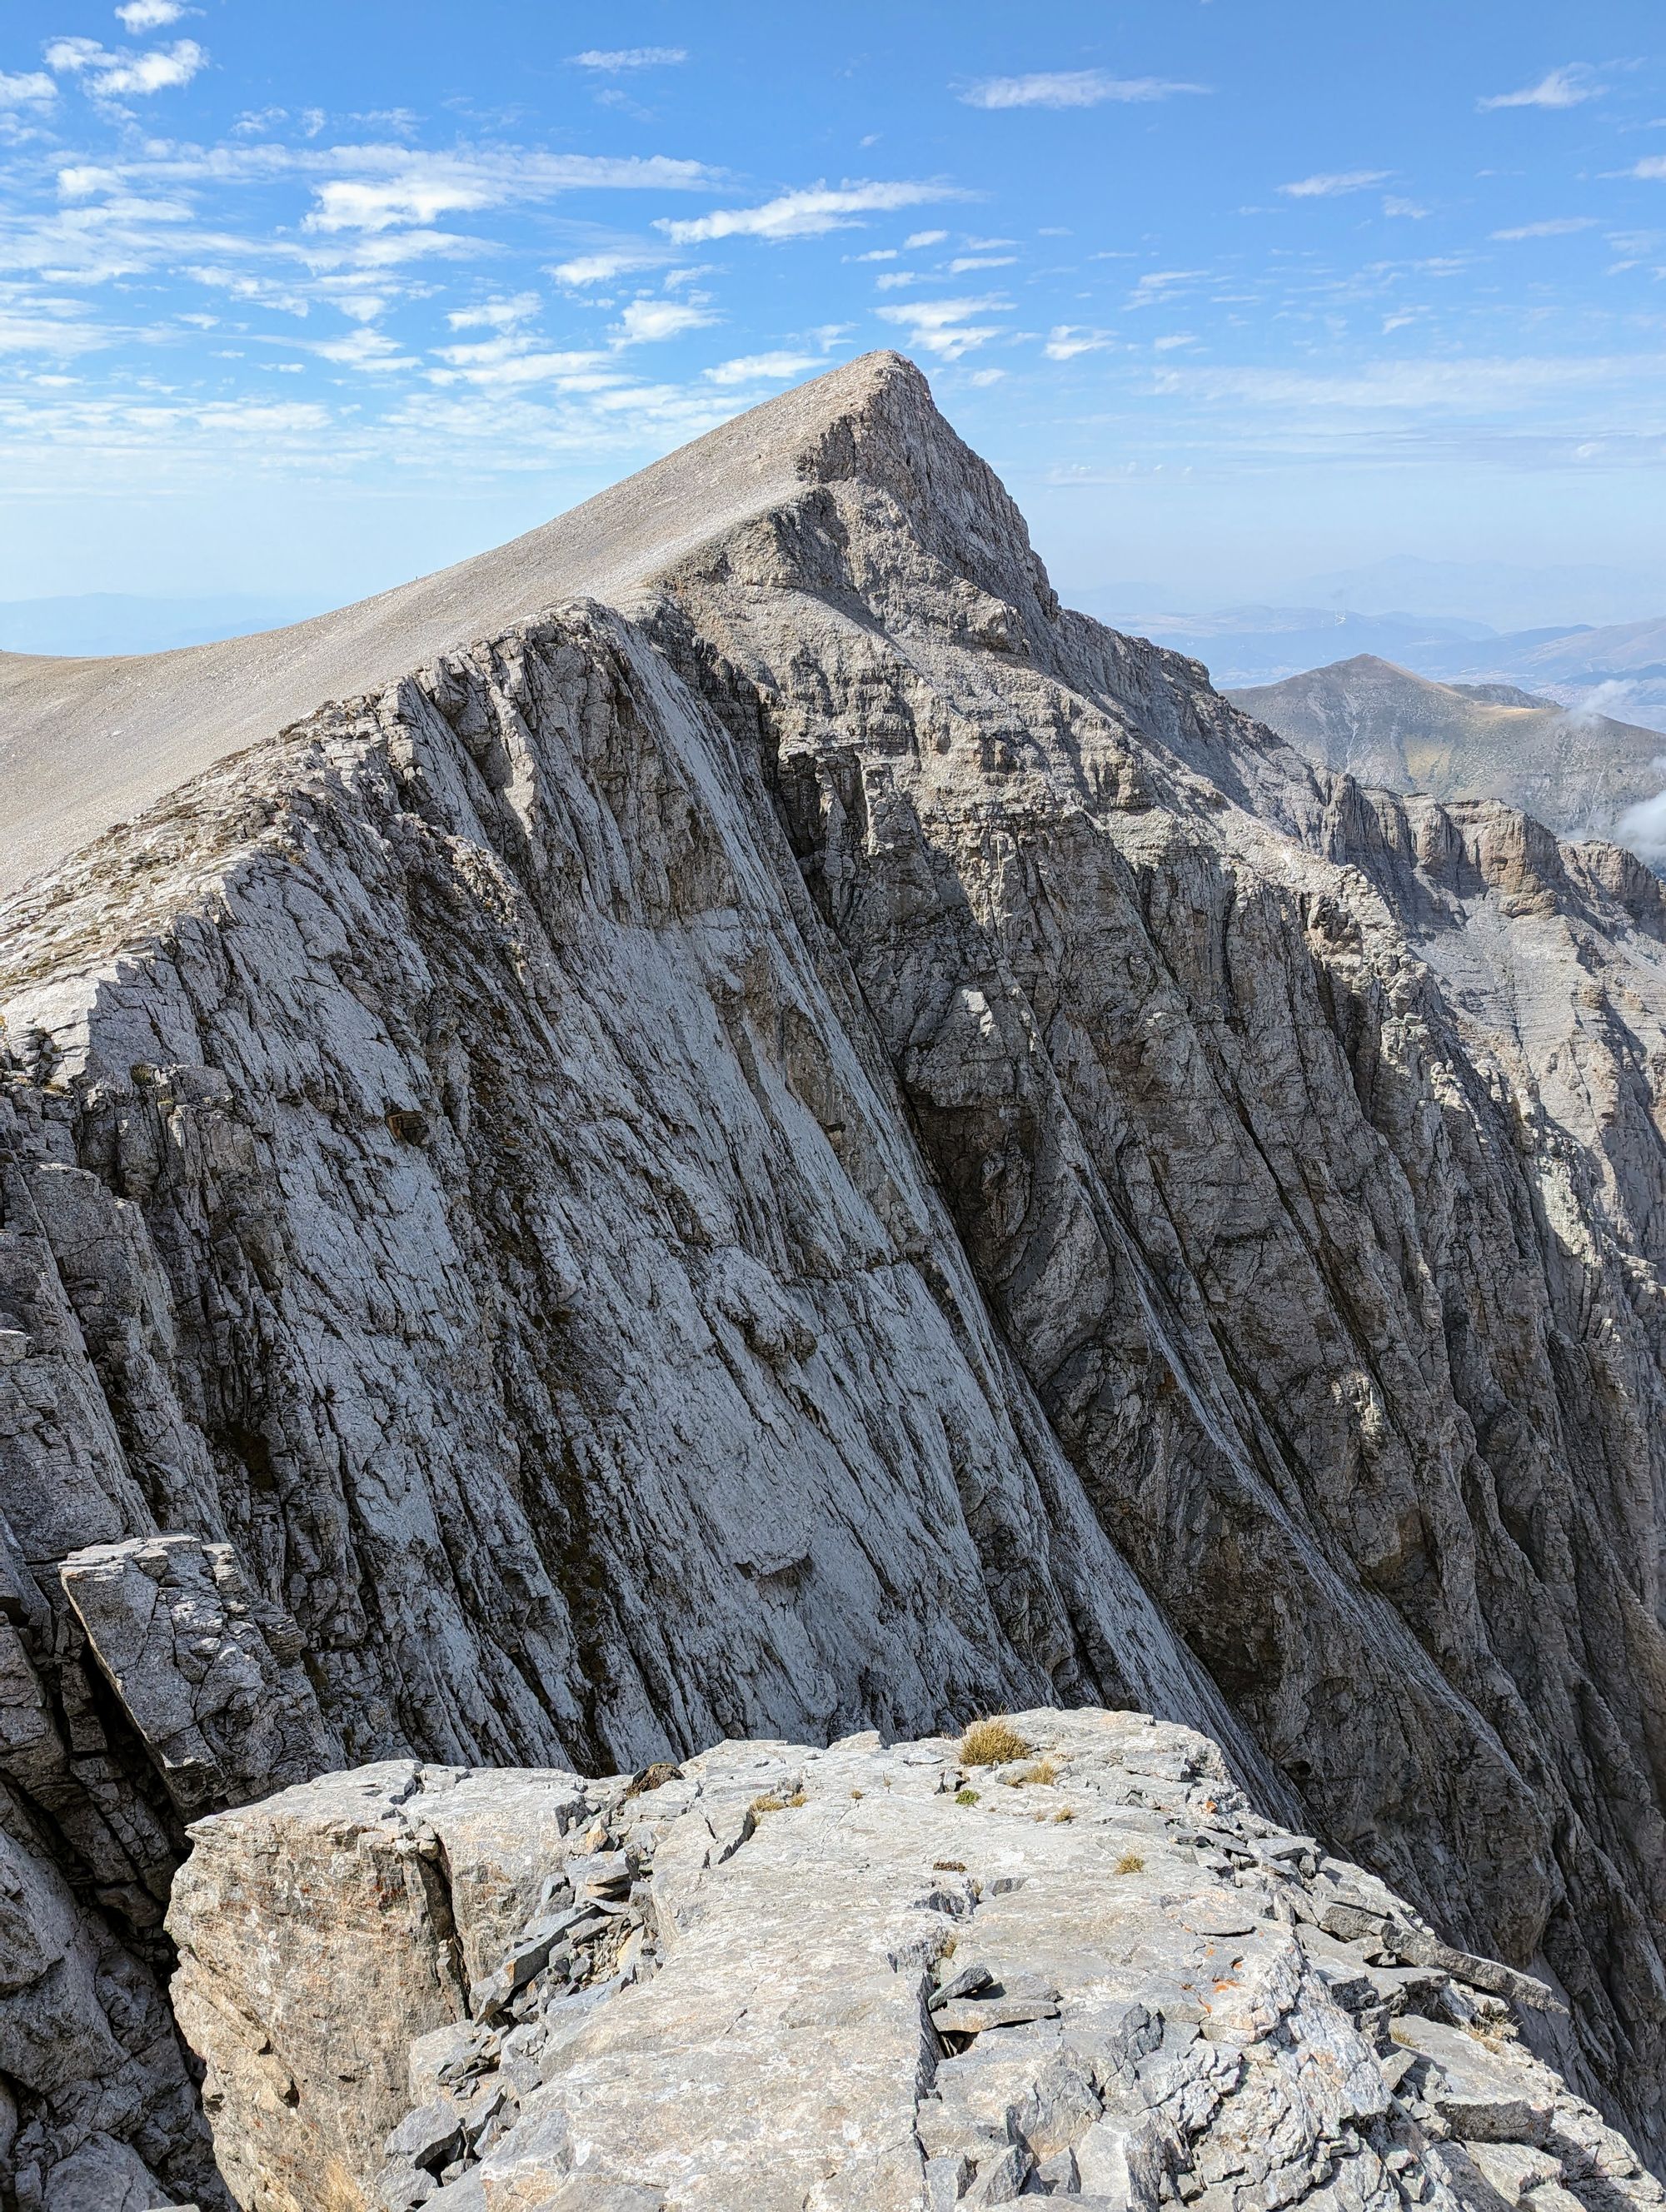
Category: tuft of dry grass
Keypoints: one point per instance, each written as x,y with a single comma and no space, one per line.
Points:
1130,1863
770,1803
1043,1774
948,1866
992,1741
1064,1812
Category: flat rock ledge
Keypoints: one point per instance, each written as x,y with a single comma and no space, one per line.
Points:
866,1977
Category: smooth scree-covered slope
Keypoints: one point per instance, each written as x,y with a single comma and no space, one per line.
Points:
87,742
840,1148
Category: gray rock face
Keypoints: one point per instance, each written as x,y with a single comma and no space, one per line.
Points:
174,1628
831,1144
862,1977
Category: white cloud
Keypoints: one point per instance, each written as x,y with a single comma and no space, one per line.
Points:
1411,210
758,367
629,57
149,15
598,268
965,261
1652,165
1561,226
917,240
1499,385
363,348
1560,88
1330,184
512,362
1066,340
107,75
896,280
646,321
805,213
1153,288
945,327
385,187
1070,89
24,90
496,314
34,332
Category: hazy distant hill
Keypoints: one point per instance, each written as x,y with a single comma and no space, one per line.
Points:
1576,770
93,623
1259,644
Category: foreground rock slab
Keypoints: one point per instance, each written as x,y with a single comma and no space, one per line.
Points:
866,1976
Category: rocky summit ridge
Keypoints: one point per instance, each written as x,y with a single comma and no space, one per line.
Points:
772,1135
1064,1957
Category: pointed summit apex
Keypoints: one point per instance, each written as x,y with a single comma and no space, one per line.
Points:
90,742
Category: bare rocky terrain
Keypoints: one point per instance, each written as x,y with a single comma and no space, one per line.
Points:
760,1133
887,1978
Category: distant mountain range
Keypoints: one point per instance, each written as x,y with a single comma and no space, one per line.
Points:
1617,668
1578,769
93,623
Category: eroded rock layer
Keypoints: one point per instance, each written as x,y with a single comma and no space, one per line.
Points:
887,1978
829,1144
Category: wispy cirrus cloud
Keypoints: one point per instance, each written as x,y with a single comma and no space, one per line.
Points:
496,314
759,369
367,349
396,186
1332,183
141,16
806,214
585,269
1065,340
26,88
947,328
611,60
1558,226
646,322
113,77
1652,166
1089,88
1558,87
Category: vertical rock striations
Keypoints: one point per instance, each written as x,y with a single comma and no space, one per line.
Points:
826,1143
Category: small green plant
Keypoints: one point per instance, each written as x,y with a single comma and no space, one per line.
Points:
966,1796
1130,1863
992,1741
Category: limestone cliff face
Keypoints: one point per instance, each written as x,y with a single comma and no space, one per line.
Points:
828,1143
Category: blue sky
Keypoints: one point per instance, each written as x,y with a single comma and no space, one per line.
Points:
299,300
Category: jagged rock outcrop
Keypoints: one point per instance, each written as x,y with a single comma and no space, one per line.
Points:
827,1143
1083,1966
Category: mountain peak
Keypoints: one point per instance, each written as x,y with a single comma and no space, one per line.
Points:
91,742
